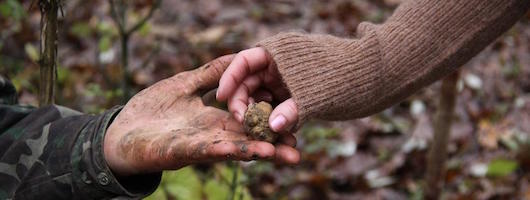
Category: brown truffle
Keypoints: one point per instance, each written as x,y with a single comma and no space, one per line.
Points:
256,122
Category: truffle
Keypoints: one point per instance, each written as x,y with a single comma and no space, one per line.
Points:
256,122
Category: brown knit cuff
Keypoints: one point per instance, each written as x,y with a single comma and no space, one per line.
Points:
317,70
272,45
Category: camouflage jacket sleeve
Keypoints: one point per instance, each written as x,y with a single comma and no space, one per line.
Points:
56,153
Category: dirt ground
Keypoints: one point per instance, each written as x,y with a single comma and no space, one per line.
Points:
378,157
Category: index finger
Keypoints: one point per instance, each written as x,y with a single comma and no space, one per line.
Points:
208,75
205,77
244,64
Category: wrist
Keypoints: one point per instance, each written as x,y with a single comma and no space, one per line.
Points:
91,173
113,156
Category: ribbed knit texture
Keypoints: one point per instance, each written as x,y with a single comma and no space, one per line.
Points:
335,78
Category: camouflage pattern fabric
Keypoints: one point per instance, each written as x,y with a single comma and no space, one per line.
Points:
56,153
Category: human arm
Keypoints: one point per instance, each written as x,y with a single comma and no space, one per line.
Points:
57,153
52,153
335,78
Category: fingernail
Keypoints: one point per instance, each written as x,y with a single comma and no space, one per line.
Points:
278,123
217,94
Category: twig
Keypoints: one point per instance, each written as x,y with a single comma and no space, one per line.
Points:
223,178
442,126
151,56
119,16
233,186
116,18
142,21
48,51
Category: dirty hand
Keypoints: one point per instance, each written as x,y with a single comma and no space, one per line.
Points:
253,76
167,126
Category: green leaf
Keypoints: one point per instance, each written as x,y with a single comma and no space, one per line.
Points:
62,74
260,167
183,184
186,184
93,90
12,8
215,190
243,193
501,167
32,52
105,43
18,10
106,28
416,194
5,10
315,146
315,133
81,30
145,29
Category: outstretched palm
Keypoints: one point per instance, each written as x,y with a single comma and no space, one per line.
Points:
167,126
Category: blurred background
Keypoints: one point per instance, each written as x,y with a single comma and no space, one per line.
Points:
379,157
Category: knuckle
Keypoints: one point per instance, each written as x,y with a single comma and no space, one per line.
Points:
232,108
246,69
233,79
262,53
179,77
244,52
216,63
245,88
291,108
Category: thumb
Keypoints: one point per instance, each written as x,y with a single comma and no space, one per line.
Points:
284,116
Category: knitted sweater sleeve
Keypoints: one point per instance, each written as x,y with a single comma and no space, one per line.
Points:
335,78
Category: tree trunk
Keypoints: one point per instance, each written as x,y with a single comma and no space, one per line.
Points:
442,126
48,50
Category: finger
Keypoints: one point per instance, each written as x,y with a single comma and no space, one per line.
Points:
240,150
262,95
288,139
286,155
237,104
244,64
284,116
205,77
208,98
209,74
251,100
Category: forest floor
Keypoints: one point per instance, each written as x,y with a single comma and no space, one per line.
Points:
378,157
